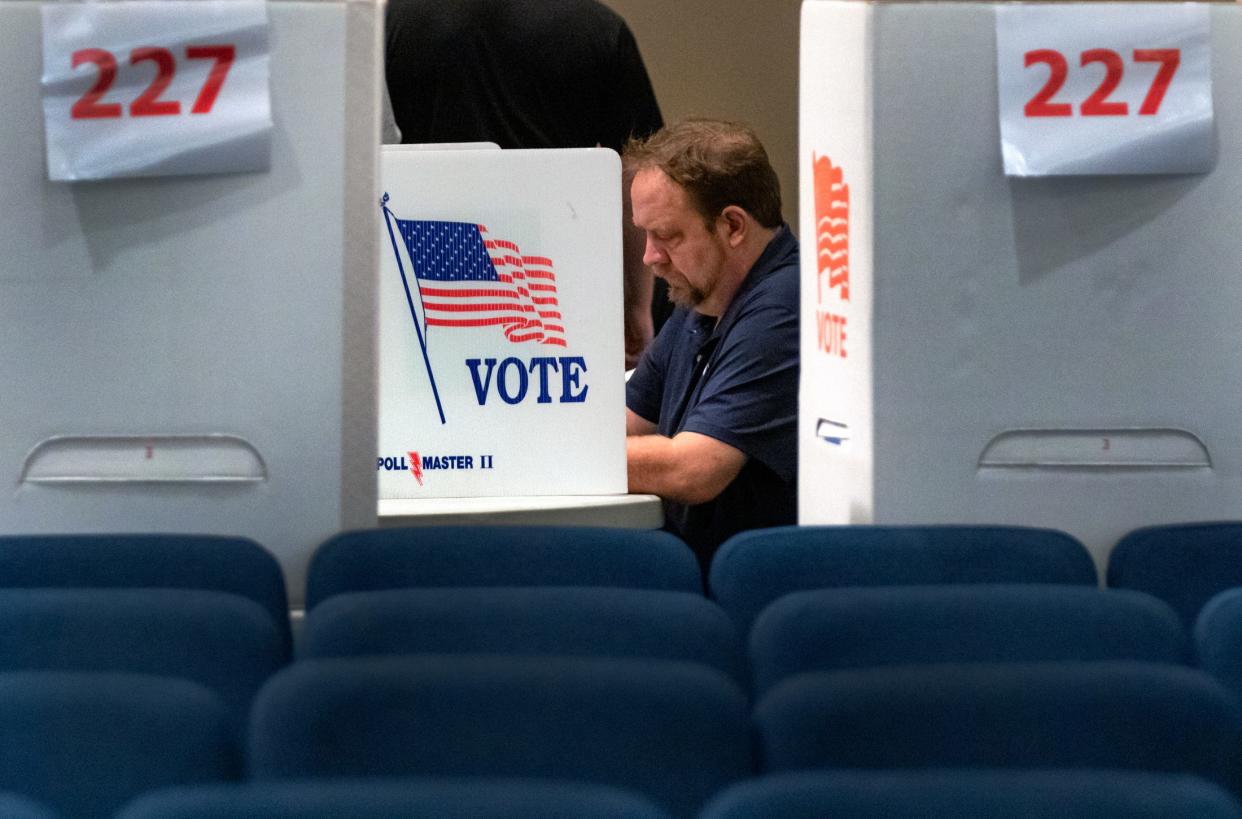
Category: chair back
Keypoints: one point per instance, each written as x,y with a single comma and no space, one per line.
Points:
754,568
835,629
557,621
675,732
1026,715
953,794
1218,639
397,799
374,559
228,644
234,565
1184,565
85,744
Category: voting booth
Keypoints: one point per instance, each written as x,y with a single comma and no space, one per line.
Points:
187,269
501,360
1020,264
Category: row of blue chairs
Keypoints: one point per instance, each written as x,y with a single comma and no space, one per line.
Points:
817,630
524,600
677,733
1184,564
803,795
515,618
232,646
748,572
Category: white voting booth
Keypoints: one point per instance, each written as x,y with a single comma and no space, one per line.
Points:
192,353
501,394
1054,347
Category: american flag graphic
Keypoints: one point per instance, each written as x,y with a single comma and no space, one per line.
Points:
466,278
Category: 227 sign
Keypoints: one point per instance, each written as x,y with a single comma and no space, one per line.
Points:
1099,104
142,88
149,103
1104,89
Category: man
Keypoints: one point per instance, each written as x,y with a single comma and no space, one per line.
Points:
547,74
712,407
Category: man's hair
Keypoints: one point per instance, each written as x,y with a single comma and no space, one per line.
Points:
717,163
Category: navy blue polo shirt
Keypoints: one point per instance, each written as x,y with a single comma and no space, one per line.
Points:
735,380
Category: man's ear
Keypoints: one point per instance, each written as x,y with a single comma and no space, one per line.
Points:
736,225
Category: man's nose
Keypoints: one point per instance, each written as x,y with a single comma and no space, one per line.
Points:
652,254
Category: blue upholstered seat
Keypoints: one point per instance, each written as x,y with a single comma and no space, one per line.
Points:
562,621
86,743
1182,564
754,568
833,629
1026,715
1218,639
974,794
675,732
13,806
384,798
374,559
233,565
227,643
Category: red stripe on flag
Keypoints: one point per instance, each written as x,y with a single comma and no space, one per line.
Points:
440,292
450,307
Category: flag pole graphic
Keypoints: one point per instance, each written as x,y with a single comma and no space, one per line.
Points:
409,300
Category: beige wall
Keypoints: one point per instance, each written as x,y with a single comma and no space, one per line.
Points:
731,60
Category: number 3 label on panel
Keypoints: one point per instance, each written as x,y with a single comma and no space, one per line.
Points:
155,87
1104,88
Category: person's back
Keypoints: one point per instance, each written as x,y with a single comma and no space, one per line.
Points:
528,74
546,74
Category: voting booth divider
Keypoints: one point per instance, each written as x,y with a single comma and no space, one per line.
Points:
501,360
1019,279
501,395
189,340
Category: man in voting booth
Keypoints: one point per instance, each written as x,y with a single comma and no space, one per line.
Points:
711,410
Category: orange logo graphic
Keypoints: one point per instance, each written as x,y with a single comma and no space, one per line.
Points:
832,228
832,245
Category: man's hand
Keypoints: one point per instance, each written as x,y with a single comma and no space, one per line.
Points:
688,468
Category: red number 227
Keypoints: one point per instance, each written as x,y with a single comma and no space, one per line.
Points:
148,103
1098,104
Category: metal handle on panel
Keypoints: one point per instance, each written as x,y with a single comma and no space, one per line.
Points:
207,458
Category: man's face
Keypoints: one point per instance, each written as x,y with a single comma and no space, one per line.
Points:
680,248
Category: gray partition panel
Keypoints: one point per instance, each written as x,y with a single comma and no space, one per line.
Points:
208,323
1075,314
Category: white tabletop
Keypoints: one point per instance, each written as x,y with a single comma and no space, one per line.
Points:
629,511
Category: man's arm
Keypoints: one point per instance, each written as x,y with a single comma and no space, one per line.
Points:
688,468
635,424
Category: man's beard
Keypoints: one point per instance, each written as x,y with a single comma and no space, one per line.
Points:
684,294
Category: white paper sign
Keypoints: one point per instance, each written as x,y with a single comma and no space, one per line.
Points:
1104,88
143,88
500,335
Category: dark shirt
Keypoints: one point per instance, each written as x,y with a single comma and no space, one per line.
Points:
522,74
736,381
